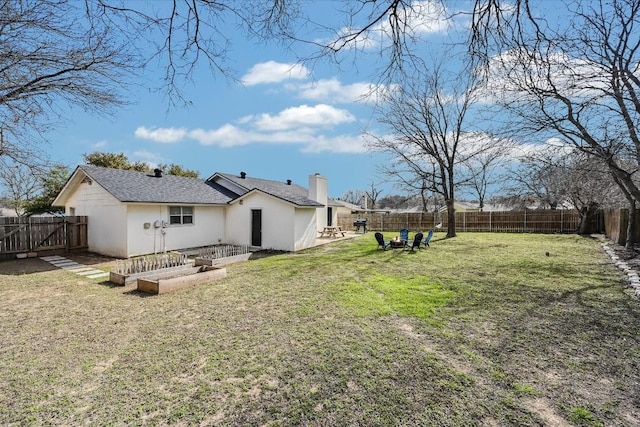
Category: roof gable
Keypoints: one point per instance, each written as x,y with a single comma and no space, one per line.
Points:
289,192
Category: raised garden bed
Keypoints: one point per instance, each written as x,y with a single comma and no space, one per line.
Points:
222,261
180,279
129,270
222,255
126,279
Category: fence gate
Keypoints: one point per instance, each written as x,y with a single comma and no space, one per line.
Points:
33,234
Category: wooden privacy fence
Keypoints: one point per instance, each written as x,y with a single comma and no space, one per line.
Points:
33,234
615,225
544,221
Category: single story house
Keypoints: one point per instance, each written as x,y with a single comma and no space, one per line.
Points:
135,213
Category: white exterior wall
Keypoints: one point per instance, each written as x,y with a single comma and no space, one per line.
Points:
334,214
107,219
306,231
207,229
278,219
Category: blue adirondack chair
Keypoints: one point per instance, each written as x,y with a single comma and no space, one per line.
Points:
428,238
404,234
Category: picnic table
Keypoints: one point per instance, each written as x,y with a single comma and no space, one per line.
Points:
331,231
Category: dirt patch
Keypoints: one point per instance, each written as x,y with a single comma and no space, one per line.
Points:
544,408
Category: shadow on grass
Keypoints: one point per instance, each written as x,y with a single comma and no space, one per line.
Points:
548,321
266,253
125,291
139,294
18,267
109,284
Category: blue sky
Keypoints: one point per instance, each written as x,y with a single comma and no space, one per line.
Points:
284,121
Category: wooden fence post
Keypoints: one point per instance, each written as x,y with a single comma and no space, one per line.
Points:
67,234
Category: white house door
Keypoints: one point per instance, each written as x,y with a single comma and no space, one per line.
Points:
256,227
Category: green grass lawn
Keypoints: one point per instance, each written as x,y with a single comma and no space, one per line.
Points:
483,329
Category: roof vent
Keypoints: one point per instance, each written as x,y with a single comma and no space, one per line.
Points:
157,173
243,175
288,182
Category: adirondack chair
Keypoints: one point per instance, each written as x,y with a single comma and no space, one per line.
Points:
381,242
428,238
404,235
417,241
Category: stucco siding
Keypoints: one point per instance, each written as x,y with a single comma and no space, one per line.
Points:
277,220
306,231
107,224
207,229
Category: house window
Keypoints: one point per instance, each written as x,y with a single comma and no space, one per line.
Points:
180,215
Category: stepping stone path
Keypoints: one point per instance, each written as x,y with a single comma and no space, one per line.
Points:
75,267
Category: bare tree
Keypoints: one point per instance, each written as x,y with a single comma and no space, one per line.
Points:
50,57
540,177
82,53
562,175
353,196
576,80
181,35
428,129
20,185
373,194
485,167
196,31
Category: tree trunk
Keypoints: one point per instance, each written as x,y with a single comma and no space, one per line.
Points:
631,226
451,219
586,214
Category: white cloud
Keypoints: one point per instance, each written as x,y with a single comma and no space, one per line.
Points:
332,90
274,72
299,126
337,144
225,136
163,135
303,116
420,18
99,144
548,148
515,77
151,159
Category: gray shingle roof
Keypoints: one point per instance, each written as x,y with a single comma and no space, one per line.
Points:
291,193
141,187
